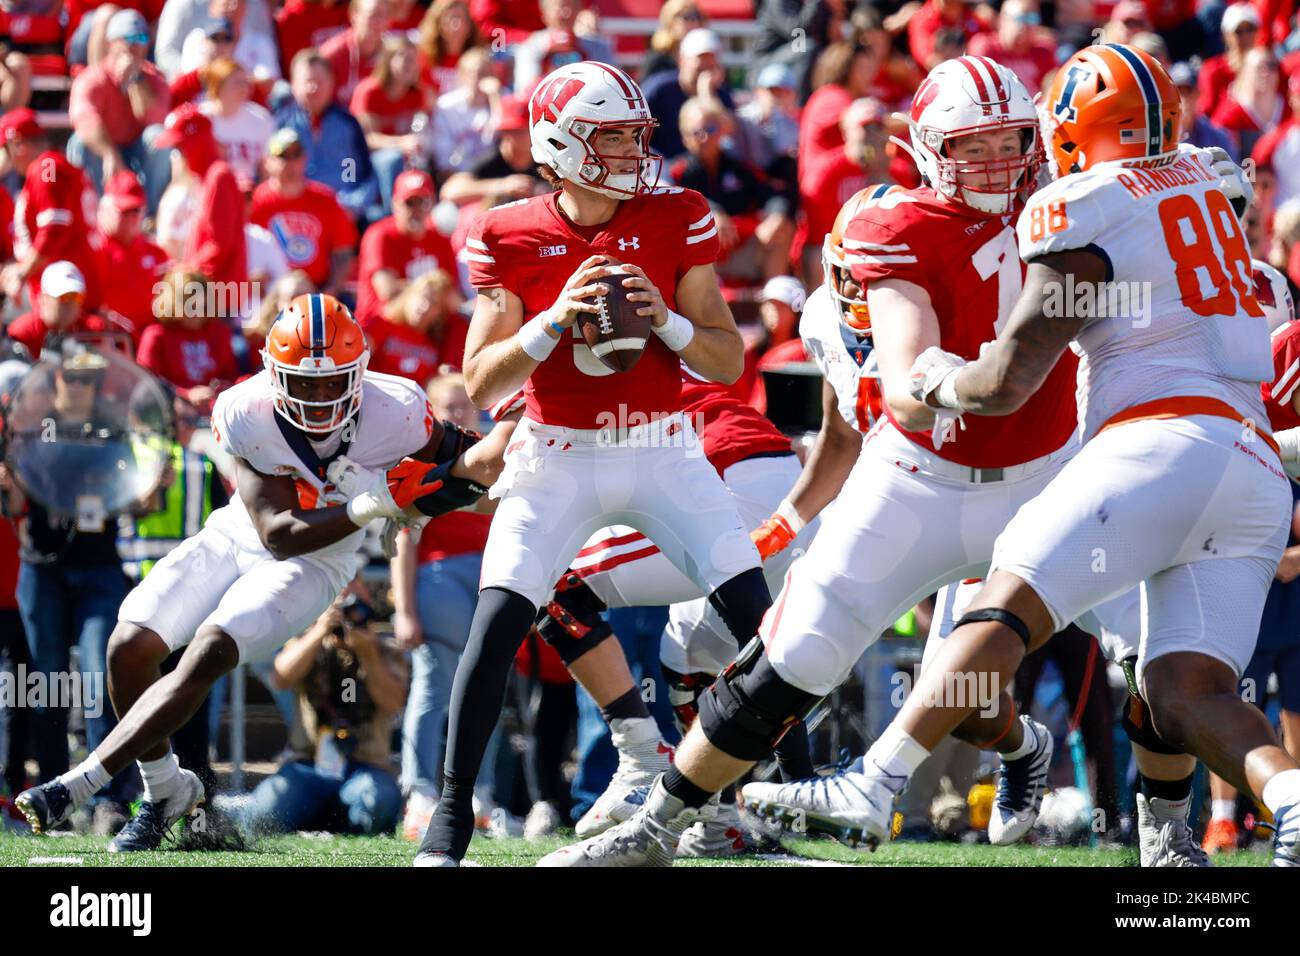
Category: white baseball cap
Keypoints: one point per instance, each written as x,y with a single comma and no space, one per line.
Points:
61,278
700,40
1237,14
785,289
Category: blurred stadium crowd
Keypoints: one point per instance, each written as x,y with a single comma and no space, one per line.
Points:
174,171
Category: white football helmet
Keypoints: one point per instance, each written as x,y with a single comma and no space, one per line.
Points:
965,95
1273,293
570,106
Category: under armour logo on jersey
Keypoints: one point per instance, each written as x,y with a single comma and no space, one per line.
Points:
1065,105
625,244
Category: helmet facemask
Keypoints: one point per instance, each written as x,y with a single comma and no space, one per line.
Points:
594,170
852,309
1019,172
295,410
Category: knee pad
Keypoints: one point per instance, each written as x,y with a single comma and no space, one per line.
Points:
1001,615
749,708
684,691
570,622
1136,720
742,601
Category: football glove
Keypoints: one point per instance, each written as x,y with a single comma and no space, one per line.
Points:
441,492
775,534
387,495
1232,180
931,370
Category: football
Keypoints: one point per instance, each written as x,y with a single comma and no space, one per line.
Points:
615,333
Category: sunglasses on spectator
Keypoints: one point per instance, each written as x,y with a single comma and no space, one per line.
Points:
1134,22
1029,19
82,378
138,39
691,16
707,130
293,152
72,298
222,38
416,201
1247,28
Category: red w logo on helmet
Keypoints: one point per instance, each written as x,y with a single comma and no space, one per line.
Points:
552,97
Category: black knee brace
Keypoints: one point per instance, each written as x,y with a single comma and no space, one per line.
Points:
748,709
1136,720
570,622
742,601
684,692
1001,615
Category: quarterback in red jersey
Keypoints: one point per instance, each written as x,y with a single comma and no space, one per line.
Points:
594,447
936,265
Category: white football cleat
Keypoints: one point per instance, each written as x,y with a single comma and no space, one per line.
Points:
642,756
648,838
1286,840
1021,787
852,806
1166,843
542,821
718,832
415,819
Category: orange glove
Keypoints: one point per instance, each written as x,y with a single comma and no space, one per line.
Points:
772,536
407,481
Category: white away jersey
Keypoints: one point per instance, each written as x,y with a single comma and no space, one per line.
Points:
847,362
395,421
1179,317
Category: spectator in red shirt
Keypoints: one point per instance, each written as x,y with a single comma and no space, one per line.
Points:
1240,28
933,17
1179,27
112,106
1252,104
301,24
386,104
1019,43
189,346
354,53
421,332
59,310
314,230
511,20
844,72
6,225
401,247
1128,20
829,183
133,263
51,215
446,32
1279,148
215,245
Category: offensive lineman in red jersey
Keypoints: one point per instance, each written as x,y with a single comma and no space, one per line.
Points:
939,266
594,448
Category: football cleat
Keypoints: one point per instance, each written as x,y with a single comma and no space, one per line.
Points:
718,832
46,806
1286,840
1166,843
416,817
648,838
642,756
1021,787
542,821
1221,836
428,858
853,807
149,827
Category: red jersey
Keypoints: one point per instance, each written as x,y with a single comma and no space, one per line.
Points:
303,23
52,215
31,330
6,225
398,349
457,532
968,263
829,181
384,246
308,227
189,357
730,430
215,245
1279,394
388,116
530,248
133,271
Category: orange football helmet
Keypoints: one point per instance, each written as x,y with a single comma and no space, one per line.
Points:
1109,102
317,337
835,264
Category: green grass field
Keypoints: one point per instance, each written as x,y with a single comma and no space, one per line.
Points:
301,850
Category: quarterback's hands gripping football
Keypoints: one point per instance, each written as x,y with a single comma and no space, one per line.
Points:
582,285
933,378
647,292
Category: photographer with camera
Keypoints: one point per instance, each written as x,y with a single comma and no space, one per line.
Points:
351,685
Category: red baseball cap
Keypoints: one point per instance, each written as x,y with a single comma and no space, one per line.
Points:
413,182
514,114
125,190
19,124
186,122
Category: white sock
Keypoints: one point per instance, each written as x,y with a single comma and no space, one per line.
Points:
159,777
1282,789
1223,809
627,732
1027,746
897,755
85,780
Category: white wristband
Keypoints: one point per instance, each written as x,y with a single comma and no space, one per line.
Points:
534,338
1288,443
364,508
946,392
677,332
786,510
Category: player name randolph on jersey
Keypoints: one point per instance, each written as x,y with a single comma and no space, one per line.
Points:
1105,300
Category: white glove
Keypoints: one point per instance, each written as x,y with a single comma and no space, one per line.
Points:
410,520
1232,179
367,491
350,478
934,373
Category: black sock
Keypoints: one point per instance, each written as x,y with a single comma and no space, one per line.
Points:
630,706
501,621
681,788
1166,789
792,755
